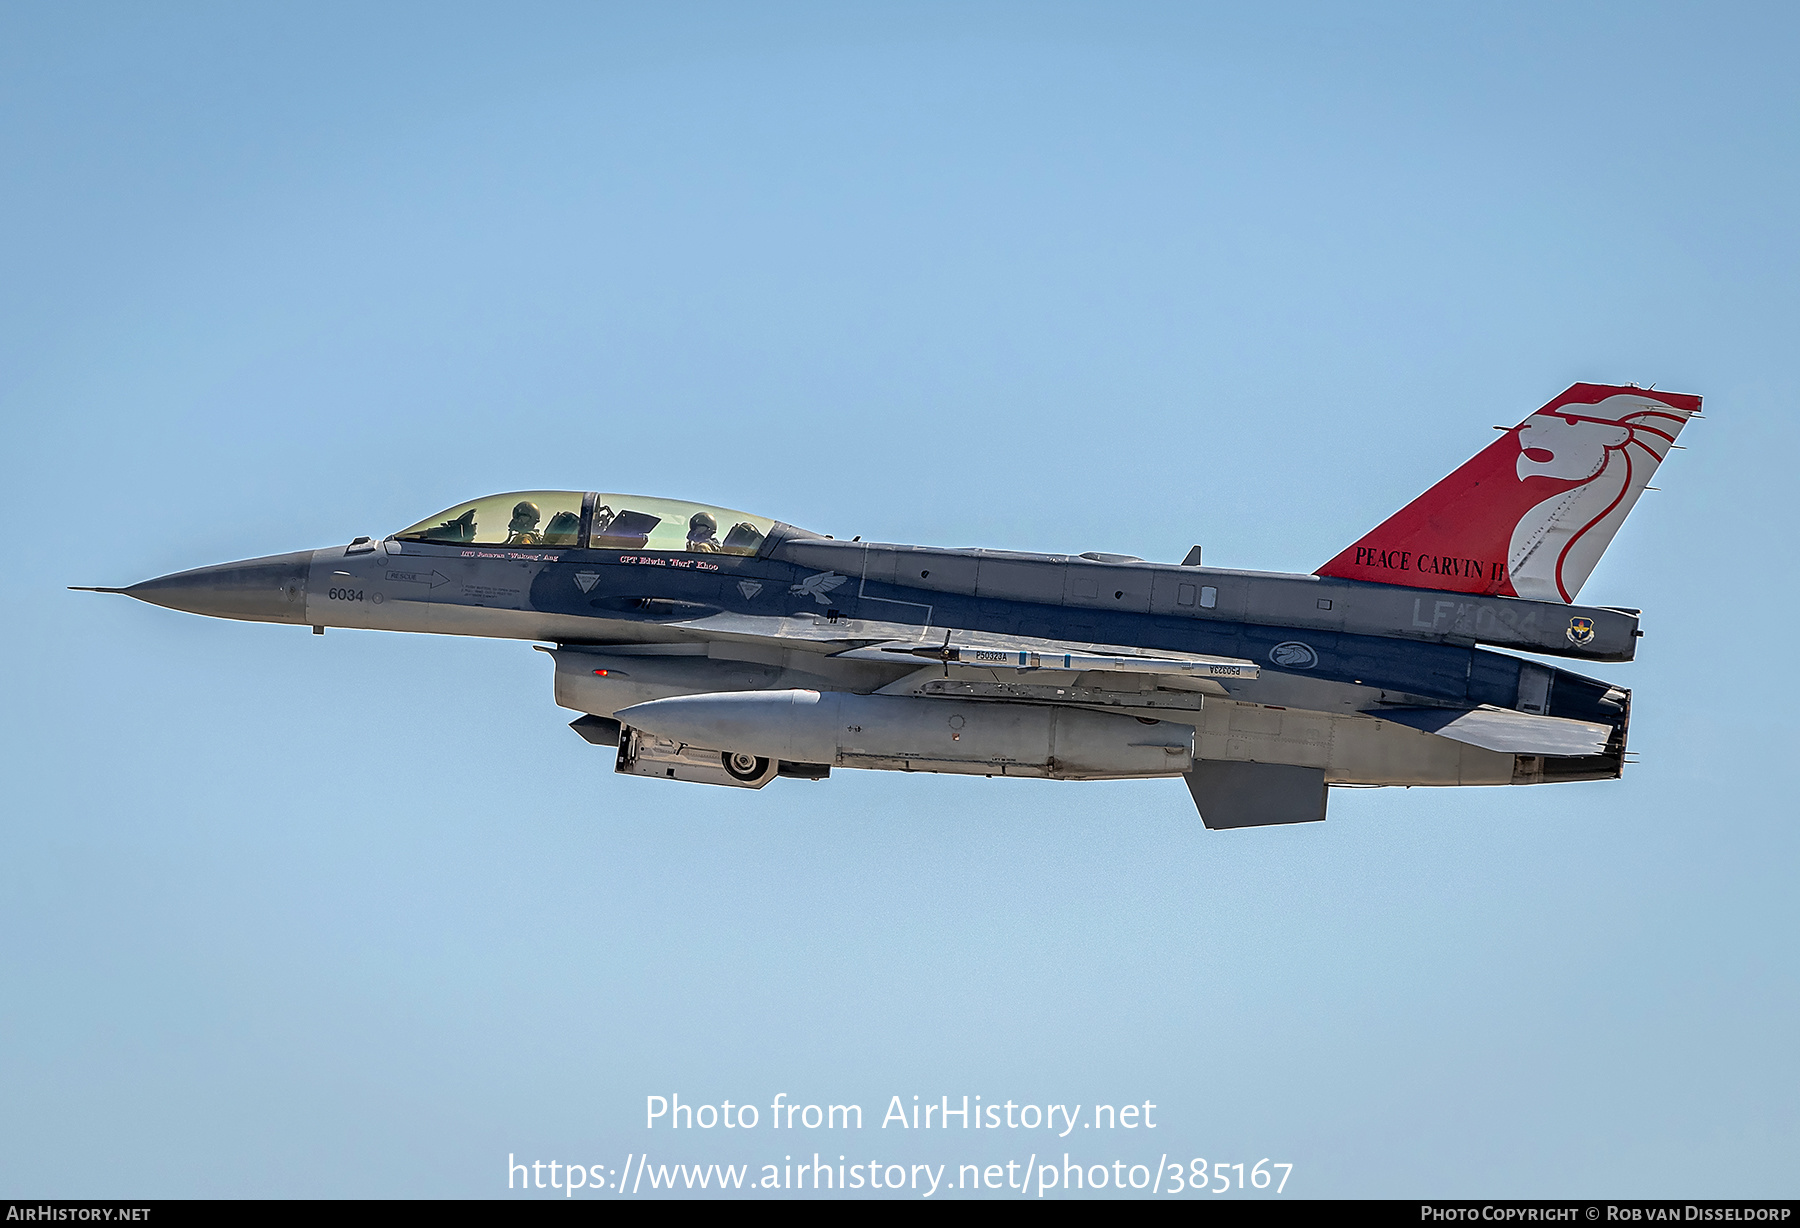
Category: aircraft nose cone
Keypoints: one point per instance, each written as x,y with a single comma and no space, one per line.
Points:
268,590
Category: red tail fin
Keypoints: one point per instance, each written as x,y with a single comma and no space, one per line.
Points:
1531,514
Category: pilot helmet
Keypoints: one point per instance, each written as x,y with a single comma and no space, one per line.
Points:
702,526
525,514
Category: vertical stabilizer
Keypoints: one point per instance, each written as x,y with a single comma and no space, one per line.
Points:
1529,515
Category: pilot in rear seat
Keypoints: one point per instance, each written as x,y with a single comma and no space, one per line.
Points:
703,534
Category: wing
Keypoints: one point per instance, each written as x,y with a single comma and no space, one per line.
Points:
1025,654
978,662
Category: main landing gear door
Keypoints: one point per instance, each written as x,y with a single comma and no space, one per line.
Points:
645,754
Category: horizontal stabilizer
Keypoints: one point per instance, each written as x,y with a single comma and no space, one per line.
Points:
1232,794
1501,729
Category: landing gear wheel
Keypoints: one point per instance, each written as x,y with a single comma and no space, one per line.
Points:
743,767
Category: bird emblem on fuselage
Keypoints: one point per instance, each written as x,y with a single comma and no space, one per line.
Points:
816,586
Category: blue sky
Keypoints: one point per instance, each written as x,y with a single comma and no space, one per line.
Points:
357,916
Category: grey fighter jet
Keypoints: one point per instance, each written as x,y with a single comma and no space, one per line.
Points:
714,646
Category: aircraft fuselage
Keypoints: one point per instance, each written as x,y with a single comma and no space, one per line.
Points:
1334,656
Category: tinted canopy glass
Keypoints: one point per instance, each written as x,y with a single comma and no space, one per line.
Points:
523,518
553,519
634,522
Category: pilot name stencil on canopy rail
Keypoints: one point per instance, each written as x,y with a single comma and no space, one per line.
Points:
708,645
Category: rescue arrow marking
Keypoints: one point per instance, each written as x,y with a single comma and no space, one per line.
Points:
433,579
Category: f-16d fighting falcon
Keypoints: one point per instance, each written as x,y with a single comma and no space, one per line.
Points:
713,646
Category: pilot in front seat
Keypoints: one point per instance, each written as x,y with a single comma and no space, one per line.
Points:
522,531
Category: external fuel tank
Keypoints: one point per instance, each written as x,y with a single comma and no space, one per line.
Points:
924,735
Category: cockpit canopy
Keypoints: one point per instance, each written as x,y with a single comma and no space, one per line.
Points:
559,519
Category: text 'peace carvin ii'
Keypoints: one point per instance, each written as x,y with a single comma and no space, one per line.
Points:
719,647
